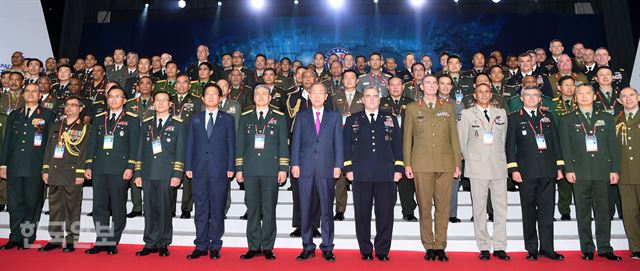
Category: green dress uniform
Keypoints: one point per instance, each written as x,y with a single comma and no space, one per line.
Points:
197,87
334,86
461,85
565,193
49,102
278,98
64,161
22,153
113,144
590,150
579,78
284,82
10,101
412,90
378,81
160,157
143,108
3,183
262,151
628,134
242,94
166,85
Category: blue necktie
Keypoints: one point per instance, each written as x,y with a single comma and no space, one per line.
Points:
210,125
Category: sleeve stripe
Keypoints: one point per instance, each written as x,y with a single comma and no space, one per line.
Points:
560,163
347,163
79,170
399,163
512,165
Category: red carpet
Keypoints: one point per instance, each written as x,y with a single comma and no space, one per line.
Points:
32,259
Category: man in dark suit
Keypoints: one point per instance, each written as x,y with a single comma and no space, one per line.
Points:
202,54
316,159
209,162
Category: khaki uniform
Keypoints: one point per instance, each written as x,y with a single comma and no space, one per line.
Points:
628,134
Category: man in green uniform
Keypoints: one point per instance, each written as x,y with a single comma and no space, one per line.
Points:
239,91
168,84
412,88
278,95
205,71
3,183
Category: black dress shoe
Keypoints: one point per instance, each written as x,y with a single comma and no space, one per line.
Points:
269,255
49,246
454,220
197,254
383,257
635,255
163,252
134,214
111,250
532,256
214,254
471,219
610,256
90,214
328,256
316,233
146,251
566,217
295,233
410,218
46,212
430,255
366,257
339,216
185,215
500,254
491,217
244,217
305,255
94,250
10,245
485,255
552,255
250,254
587,256
441,255
69,248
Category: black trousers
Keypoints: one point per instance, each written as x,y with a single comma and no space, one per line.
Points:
364,195
158,227
407,191
315,206
24,200
109,195
537,199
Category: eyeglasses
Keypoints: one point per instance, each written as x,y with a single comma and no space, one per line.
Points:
116,97
162,100
73,105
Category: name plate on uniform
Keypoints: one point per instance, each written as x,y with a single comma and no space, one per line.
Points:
37,139
258,142
107,144
156,146
541,142
592,143
487,137
58,152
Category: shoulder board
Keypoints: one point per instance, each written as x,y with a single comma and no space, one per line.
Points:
176,119
131,114
194,81
386,75
196,96
99,102
132,99
101,114
363,75
556,99
293,92
278,112
148,119
247,112
161,81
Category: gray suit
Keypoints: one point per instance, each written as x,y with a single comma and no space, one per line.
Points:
118,76
486,166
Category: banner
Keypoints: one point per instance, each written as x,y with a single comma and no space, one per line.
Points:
635,73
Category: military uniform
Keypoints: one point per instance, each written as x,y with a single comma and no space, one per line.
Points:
112,150
60,91
474,72
323,75
592,159
3,184
64,161
284,82
22,154
378,81
166,85
10,101
515,82
249,76
197,87
262,151
334,86
278,98
461,85
609,105
514,104
579,78
242,94
565,191
628,135
49,102
412,90
96,92
160,157
373,153
406,75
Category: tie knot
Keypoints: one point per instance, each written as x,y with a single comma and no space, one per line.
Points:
318,114
211,114
485,111
262,113
533,113
372,115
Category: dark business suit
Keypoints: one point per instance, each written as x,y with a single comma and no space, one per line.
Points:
209,158
317,155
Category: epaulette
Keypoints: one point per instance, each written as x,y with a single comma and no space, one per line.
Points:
131,114
322,80
363,75
194,81
556,99
101,114
289,94
278,112
196,96
148,119
176,119
132,99
99,102
247,112
161,81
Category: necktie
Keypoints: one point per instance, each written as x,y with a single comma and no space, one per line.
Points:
180,97
455,80
533,113
28,112
171,83
130,73
349,98
486,115
607,95
261,119
318,123
144,104
373,120
568,103
337,82
588,115
396,102
629,116
159,124
210,125
112,120
430,105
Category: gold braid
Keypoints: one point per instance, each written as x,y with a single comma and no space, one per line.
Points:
72,146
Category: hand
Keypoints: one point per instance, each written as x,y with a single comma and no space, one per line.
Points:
87,174
282,177
613,177
175,182
516,177
456,173
560,175
408,172
397,176
45,178
349,176
229,174
79,181
3,172
571,177
295,171
189,174
128,173
239,177
138,182
336,172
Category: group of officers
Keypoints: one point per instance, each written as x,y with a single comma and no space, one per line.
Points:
417,132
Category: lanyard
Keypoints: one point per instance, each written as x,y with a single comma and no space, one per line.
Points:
613,105
240,89
263,128
534,130
393,110
491,123
564,105
114,126
585,129
96,88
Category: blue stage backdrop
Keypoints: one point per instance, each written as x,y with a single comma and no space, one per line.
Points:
300,37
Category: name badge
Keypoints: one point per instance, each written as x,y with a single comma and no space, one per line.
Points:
258,143
541,142
107,144
487,138
156,146
58,152
591,142
37,139
399,118
459,97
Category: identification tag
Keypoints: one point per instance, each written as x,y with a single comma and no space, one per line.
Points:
258,143
459,97
37,140
58,152
541,142
399,118
487,137
107,144
592,143
156,146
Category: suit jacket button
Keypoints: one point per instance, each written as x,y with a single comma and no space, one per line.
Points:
107,153
631,158
259,154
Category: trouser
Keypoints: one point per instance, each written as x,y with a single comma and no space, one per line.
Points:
564,197
109,195
630,197
341,194
614,201
480,193
65,203
136,196
186,205
455,188
158,227
407,191
227,204
209,195
315,206
261,197
3,192
384,195
537,197
24,200
316,189
593,195
433,187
